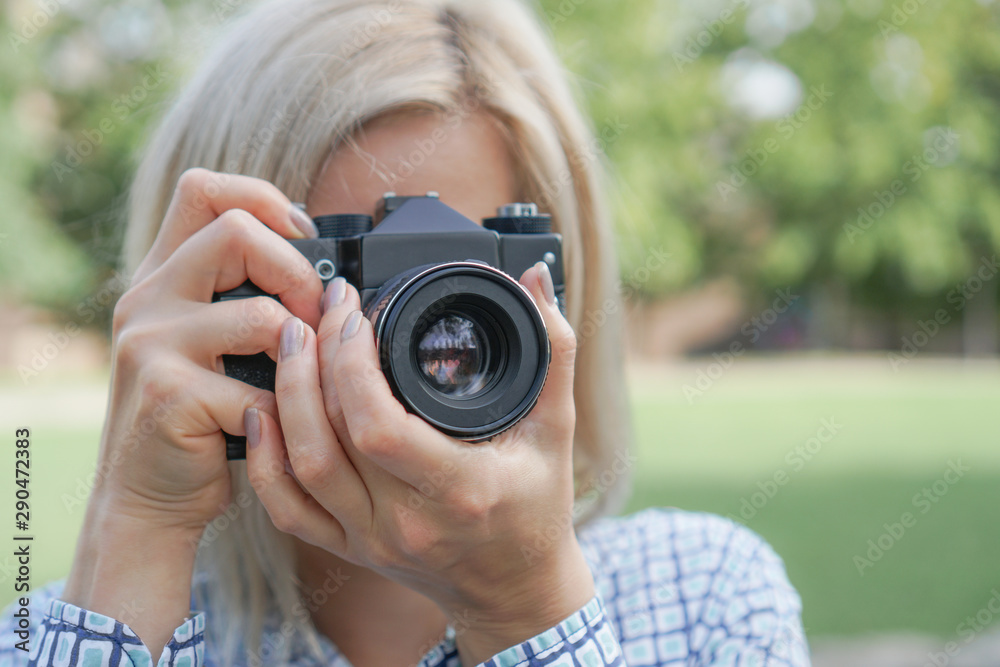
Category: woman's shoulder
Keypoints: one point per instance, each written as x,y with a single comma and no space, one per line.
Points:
694,538
697,582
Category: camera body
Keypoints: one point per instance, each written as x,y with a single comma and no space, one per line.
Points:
461,343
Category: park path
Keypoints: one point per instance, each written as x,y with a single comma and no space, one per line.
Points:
906,650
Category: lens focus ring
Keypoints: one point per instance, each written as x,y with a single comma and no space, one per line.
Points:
462,345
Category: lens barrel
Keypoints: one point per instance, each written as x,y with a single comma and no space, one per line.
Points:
462,345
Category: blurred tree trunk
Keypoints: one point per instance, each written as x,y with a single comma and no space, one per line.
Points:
829,325
979,323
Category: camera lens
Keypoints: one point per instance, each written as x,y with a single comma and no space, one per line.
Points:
452,356
462,345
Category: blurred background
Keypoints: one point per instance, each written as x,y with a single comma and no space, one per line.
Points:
807,198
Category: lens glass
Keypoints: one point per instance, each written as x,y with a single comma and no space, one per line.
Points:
453,356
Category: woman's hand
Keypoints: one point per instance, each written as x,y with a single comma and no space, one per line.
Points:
168,340
485,530
162,470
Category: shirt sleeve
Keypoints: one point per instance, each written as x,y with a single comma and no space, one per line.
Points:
65,635
585,638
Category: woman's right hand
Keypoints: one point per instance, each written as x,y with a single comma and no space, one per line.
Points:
161,470
162,460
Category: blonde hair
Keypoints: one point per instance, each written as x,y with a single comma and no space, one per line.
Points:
292,82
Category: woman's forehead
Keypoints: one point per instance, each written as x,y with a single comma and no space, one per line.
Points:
463,157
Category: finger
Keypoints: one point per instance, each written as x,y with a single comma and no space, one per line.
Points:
241,326
316,455
380,427
202,196
555,408
339,301
209,402
291,509
236,248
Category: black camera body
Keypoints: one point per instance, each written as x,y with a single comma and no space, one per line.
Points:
461,343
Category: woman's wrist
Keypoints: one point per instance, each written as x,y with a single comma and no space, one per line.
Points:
538,599
138,574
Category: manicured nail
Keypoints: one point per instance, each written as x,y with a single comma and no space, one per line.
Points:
335,293
302,222
351,326
545,280
251,424
293,334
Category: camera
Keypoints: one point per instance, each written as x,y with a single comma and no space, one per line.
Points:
461,343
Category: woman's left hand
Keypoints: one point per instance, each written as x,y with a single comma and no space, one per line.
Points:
485,530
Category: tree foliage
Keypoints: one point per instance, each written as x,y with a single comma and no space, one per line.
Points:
784,143
882,176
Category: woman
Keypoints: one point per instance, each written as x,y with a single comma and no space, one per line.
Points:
356,534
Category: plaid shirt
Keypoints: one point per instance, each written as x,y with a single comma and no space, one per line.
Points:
674,589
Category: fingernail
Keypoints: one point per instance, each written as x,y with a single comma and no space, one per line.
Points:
335,293
288,469
251,424
545,280
302,222
351,326
292,335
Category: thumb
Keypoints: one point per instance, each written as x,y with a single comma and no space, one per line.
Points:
555,409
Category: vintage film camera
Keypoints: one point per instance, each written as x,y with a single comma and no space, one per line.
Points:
460,341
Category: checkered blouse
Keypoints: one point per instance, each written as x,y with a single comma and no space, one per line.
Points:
673,588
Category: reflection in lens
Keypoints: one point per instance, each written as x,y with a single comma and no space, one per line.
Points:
452,356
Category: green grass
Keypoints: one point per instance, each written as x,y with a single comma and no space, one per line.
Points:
897,433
